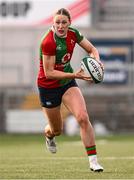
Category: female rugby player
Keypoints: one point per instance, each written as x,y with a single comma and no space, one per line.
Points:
56,83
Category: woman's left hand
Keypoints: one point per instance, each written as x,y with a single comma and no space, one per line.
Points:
102,65
97,59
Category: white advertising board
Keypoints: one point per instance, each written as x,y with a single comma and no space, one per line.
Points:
33,12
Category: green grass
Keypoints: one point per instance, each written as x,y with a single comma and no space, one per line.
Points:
25,157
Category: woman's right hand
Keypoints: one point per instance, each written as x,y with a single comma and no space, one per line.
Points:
80,74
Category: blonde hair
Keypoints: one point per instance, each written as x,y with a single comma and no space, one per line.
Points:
64,12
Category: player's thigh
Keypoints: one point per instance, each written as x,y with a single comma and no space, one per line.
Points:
74,101
54,117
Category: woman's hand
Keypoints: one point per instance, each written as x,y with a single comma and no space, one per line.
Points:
98,60
80,74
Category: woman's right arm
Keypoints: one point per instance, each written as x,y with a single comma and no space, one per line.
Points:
51,73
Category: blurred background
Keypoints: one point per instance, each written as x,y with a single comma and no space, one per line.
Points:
108,24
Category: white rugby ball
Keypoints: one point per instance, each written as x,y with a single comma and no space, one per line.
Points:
92,68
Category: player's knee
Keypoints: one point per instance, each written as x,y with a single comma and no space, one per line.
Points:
83,119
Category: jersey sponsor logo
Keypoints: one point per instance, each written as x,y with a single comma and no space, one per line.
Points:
58,47
66,58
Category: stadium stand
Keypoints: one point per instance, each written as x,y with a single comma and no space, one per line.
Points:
114,14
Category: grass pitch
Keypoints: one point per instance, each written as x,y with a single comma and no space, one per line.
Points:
26,157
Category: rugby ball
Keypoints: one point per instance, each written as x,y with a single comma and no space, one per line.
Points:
92,68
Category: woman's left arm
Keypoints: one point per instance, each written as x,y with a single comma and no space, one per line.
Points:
90,49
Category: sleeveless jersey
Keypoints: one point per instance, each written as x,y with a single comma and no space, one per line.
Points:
62,49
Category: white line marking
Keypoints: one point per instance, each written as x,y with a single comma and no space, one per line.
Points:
73,158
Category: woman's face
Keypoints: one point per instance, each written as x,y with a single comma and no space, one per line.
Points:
61,24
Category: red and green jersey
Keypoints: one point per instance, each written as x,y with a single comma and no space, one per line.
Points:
62,49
